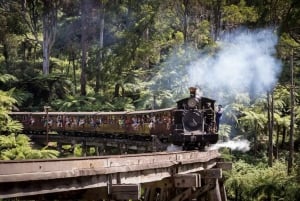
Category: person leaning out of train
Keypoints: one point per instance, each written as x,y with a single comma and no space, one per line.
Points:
219,113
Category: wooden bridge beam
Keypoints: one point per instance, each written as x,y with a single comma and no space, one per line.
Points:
187,181
170,173
126,192
188,186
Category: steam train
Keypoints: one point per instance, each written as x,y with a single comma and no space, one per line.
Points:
192,124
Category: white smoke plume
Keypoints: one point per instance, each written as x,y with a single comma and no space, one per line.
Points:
239,145
174,148
245,62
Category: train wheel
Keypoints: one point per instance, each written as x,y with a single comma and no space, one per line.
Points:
186,148
201,147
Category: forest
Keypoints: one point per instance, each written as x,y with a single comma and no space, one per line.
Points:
126,55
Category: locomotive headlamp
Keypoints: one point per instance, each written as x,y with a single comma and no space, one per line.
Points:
192,102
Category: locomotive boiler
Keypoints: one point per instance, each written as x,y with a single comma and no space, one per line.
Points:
191,124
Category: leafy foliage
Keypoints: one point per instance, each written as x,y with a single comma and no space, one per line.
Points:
141,63
235,15
13,146
18,147
260,182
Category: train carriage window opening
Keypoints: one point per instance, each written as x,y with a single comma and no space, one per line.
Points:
87,119
121,122
110,119
32,120
99,121
24,119
133,122
92,122
73,122
59,121
50,121
81,122
63,120
104,119
68,121
115,120
43,121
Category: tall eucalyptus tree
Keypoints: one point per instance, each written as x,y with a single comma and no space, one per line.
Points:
49,18
292,113
101,44
84,45
270,109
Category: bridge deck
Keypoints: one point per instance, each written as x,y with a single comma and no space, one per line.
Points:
32,177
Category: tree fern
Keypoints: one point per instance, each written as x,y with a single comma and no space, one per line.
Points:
46,153
7,77
22,140
18,147
7,142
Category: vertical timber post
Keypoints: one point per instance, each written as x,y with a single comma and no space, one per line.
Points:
46,108
84,148
59,148
97,151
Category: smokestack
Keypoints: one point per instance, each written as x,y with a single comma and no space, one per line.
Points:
193,92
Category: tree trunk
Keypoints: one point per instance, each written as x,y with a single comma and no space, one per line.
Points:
31,8
277,142
49,30
283,136
255,139
84,46
270,129
74,72
217,19
291,142
185,20
46,54
35,53
6,55
100,62
145,63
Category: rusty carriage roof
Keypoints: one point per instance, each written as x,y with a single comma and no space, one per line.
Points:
95,113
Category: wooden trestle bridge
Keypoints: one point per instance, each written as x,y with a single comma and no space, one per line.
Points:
163,176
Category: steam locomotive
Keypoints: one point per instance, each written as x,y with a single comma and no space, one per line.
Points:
192,124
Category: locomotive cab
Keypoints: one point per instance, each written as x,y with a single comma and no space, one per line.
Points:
194,122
